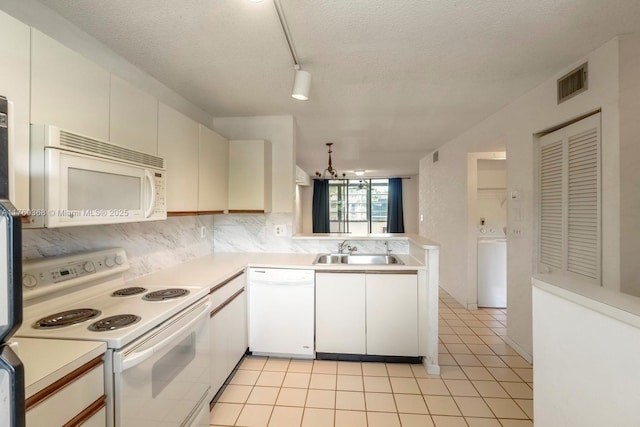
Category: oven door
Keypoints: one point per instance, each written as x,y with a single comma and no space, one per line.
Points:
163,377
86,190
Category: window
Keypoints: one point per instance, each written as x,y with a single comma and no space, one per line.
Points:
569,200
358,205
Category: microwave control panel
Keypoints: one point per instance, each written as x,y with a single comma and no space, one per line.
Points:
159,187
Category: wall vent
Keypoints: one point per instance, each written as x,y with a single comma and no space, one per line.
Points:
573,83
436,156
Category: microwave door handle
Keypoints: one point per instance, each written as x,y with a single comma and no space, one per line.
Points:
152,200
139,357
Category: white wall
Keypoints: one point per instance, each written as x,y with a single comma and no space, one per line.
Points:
443,186
587,372
279,130
629,170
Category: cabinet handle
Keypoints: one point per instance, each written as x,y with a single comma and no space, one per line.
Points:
88,412
220,285
226,303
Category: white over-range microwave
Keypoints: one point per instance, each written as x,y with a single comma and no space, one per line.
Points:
76,180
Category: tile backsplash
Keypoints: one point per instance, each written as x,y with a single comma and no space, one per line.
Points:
151,246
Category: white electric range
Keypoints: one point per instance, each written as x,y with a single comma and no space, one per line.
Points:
156,365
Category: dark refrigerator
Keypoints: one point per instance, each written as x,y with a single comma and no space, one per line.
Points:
11,369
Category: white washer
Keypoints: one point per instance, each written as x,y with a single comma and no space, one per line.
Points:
492,272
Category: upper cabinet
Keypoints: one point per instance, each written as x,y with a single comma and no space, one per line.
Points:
133,117
213,170
249,176
14,85
67,89
178,141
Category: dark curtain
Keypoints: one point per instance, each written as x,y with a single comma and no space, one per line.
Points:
395,220
320,214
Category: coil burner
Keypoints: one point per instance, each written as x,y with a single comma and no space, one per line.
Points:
112,323
66,318
125,292
165,294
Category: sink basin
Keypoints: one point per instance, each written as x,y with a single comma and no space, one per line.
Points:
358,259
331,259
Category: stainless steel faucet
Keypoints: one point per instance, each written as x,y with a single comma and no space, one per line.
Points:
341,246
386,245
352,249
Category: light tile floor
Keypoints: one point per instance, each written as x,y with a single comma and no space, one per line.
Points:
483,383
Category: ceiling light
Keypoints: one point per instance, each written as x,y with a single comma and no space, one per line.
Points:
302,82
332,172
301,85
359,172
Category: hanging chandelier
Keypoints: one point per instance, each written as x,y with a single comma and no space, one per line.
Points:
330,170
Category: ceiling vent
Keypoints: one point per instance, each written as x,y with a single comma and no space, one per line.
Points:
435,157
573,83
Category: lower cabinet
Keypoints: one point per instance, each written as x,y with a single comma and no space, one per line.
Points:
228,328
367,313
74,400
340,313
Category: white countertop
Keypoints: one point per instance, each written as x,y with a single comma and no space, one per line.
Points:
46,361
213,269
623,307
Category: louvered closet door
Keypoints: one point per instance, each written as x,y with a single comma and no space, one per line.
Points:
569,197
583,203
551,203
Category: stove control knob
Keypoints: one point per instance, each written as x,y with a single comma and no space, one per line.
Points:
109,262
118,259
89,267
28,281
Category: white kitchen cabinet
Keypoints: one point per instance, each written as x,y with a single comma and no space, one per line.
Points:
76,399
249,176
392,314
340,313
15,52
213,171
67,89
367,313
178,140
228,328
133,116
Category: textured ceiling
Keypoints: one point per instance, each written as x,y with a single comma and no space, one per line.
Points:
392,80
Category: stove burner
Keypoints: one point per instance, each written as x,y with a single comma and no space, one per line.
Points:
66,318
165,294
125,292
114,322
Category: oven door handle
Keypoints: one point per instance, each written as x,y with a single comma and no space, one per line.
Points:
121,365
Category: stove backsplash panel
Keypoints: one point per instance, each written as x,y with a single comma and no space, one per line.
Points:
151,246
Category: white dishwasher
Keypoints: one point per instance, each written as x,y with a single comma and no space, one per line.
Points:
492,272
281,312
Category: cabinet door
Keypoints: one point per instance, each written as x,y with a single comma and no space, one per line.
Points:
392,314
67,89
178,138
237,337
218,342
340,313
250,175
134,117
213,170
15,52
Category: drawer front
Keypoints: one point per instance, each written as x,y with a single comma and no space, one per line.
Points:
70,400
99,419
222,292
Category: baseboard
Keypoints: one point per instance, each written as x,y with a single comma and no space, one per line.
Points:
472,307
526,356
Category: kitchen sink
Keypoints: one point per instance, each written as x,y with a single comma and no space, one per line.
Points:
358,259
